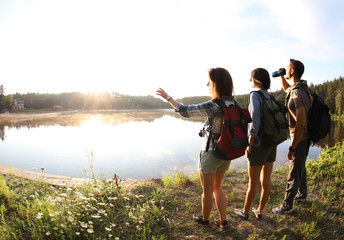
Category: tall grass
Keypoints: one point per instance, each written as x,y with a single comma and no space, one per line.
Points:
105,209
101,211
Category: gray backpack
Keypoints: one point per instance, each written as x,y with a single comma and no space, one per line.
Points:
274,127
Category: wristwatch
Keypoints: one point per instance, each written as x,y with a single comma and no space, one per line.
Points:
168,98
291,149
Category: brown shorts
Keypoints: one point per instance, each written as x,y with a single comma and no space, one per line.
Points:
261,155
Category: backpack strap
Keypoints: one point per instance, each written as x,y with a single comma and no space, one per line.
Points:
220,103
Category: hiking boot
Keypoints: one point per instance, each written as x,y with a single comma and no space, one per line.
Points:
241,214
199,219
223,224
300,199
256,213
281,210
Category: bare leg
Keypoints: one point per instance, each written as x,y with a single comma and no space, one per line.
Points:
266,185
254,174
220,196
207,181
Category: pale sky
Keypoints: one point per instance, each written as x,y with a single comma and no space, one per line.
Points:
135,46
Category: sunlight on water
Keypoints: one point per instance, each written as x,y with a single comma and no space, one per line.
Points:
132,144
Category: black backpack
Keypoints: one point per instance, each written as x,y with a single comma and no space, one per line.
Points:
319,119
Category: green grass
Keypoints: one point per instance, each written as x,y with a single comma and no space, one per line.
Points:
107,210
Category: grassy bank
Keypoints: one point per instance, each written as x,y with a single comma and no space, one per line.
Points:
106,210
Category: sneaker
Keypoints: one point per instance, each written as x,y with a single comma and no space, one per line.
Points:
300,199
256,213
240,213
223,224
281,210
199,219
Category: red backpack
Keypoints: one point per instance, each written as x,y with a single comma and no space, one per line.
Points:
233,140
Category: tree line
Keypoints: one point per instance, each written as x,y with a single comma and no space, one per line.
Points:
330,91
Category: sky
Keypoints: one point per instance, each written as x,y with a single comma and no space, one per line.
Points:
135,47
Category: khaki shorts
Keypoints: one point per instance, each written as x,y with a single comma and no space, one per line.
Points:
261,155
208,163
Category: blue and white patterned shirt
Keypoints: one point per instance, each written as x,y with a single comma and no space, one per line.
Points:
212,111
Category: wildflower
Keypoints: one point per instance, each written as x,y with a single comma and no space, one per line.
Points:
93,199
90,222
69,189
39,215
142,210
95,216
83,225
51,214
162,208
101,211
108,229
77,233
113,225
110,235
47,233
42,168
62,225
90,230
116,238
127,206
55,228
138,227
127,224
101,204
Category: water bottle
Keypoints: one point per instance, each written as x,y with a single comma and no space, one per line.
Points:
278,73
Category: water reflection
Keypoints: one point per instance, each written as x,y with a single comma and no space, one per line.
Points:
335,136
134,144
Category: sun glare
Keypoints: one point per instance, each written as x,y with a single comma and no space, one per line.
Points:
93,123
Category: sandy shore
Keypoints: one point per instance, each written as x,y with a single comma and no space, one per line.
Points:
67,181
49,178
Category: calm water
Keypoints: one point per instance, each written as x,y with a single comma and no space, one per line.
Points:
133,144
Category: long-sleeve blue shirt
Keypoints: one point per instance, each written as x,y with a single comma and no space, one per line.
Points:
255,109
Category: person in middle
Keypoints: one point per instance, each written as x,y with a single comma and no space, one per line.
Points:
260,156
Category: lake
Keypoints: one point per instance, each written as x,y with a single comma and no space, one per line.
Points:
131,143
